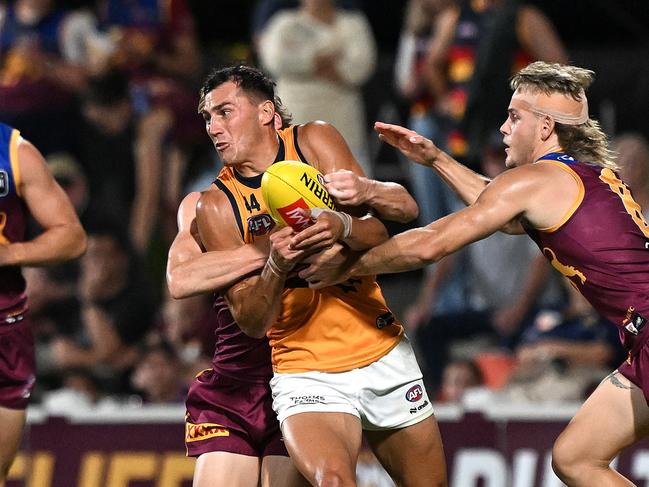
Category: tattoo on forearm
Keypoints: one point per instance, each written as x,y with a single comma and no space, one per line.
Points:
617,382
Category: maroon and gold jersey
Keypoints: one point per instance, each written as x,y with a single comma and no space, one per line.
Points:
13,219
602,245
236,355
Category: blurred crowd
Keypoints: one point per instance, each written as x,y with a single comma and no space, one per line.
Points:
109,92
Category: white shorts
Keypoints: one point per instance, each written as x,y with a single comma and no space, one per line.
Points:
386,394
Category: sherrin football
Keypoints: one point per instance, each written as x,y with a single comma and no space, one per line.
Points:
289,185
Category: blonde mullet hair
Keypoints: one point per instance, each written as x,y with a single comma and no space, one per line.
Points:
586,142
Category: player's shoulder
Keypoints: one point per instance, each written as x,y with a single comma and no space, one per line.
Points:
316,128
213,204
537,171
210,197
317,134
31,163
190,199
187,207
28,153
527,180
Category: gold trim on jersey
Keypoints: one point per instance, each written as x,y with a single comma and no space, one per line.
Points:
634,210
3,223
575,204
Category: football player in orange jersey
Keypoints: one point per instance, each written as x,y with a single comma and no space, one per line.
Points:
341,361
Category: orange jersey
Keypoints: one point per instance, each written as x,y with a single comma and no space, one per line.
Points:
336,329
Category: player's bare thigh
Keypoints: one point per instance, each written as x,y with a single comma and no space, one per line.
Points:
279,471
413,456
12,424
615,416
322,443
224,468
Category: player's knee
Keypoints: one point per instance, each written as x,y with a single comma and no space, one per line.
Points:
566,463
334,475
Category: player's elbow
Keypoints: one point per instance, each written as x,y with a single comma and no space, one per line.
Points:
251,324
429,253
78,242
254,328
179,283
177,288
412,210
408,212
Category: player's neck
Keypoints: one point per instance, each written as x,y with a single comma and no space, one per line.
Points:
262,157
546,147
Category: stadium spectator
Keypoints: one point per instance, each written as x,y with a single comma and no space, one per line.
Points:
122,156
633,159
413,84
469,39
159,374
44,54
564,354
458,376
78,390
117,309
187,326
156,45
264,10
320,55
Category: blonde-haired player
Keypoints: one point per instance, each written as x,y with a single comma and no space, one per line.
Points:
562,189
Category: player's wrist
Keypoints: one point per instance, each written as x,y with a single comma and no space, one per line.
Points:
434,156
275,267
371,191
347,224
344,218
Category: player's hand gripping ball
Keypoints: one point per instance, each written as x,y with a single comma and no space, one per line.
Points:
288,186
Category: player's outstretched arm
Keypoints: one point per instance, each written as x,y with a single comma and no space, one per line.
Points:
466,183
511,196
191,270
62,238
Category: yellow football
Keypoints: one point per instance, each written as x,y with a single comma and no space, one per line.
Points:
289,185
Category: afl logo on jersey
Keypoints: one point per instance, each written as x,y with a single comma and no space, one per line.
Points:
4,183
260,224
415,393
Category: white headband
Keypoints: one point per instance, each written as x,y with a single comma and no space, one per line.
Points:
561,107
